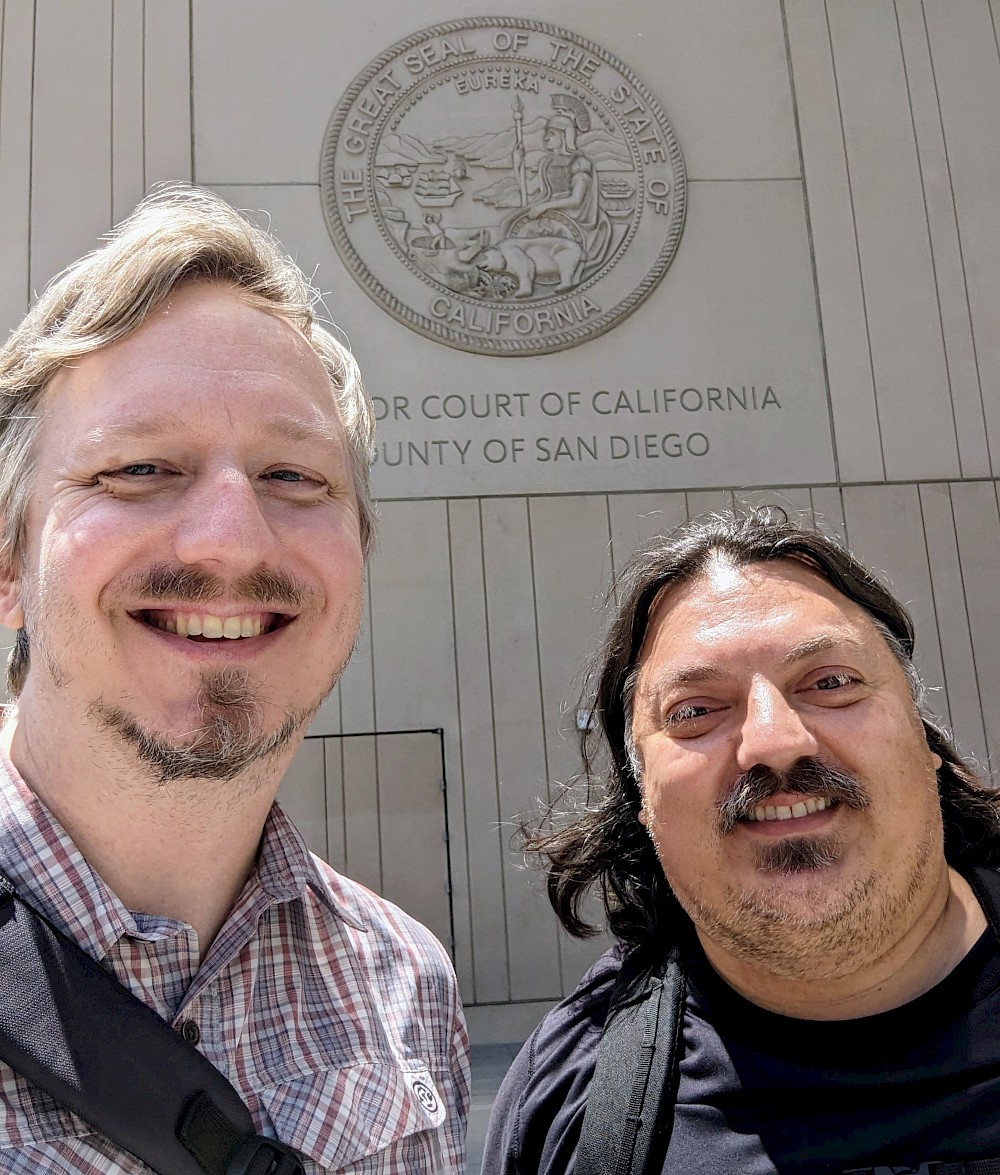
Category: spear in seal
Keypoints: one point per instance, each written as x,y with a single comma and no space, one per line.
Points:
520,172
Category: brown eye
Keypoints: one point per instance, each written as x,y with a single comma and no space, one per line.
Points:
687,712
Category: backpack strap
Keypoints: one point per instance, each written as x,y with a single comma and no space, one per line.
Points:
985,883
629,1114
72,1030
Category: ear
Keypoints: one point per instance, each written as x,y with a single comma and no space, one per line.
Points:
11,612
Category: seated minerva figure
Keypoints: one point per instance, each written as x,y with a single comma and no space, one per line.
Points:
568,203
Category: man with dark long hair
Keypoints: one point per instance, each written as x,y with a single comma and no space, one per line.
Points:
775,821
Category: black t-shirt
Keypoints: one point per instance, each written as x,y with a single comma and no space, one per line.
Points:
761,1093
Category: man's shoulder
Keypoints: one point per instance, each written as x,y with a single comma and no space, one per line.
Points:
584,1011
536,1120
381,928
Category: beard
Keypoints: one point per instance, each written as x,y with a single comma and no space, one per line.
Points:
763,928
227,740
797,922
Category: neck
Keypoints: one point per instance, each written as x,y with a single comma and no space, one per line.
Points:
183,850
944,931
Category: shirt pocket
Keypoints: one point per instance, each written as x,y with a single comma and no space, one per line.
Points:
341,1117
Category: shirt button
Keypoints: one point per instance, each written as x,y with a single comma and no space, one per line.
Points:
191,1032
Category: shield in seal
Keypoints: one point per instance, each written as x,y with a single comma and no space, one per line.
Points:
503,186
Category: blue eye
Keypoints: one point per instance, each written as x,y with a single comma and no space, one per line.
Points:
286,475
139,469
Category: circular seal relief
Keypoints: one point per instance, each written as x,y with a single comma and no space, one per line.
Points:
503,186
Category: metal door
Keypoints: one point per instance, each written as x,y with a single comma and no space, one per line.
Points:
375,805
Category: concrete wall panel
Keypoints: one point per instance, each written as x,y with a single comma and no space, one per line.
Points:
71,140
522,769
896,266
833,240
362,811
414,849
964,386
128,107
886,531
17,56
485,835
828,511
336,820
977,527
570,543
414,654
964,704
303,796
963,40
167,91
635,518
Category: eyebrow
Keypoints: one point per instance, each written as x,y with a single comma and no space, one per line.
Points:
803,651
823,643
688,675
160,424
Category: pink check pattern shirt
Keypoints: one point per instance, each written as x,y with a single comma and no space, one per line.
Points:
323,1004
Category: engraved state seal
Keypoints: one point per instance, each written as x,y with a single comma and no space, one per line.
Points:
503,186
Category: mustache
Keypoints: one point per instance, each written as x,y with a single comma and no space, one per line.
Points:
806,777
193,585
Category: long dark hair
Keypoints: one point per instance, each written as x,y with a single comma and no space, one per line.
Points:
596,843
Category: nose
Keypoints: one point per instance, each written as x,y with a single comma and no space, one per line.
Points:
222,524
773,733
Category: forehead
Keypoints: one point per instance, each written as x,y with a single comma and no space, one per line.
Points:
762,609
203,340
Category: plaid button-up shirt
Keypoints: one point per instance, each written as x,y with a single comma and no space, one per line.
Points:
320,1002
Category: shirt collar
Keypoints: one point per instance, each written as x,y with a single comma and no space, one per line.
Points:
286,869
47,869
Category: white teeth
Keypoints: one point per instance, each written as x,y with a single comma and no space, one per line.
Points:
795,812
211,627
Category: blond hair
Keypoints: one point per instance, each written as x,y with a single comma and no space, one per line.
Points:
176,234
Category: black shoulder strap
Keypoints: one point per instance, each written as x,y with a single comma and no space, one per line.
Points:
76,1033
629,1115
985,883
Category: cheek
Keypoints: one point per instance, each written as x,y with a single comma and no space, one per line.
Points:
340,562
680,816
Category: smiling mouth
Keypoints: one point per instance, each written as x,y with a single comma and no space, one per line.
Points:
202,626
804,807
